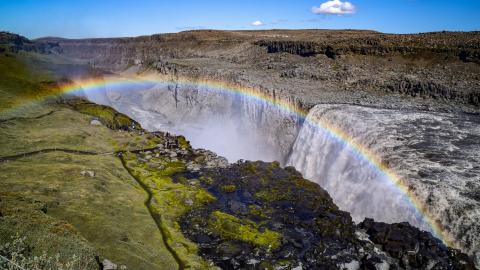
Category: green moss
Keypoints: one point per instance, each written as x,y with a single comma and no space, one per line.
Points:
103,217
250,167
273,165
231,227
206,180
272,195
123,120
258,211
229,188
204,197
108,116
172,167
171,201
183,143
66,129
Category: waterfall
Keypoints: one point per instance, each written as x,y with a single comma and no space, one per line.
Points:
436,154
355,184
233,125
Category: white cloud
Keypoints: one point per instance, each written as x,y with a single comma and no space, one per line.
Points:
257,23
335,7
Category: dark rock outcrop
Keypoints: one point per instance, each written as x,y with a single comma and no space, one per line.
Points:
266,217
455,45
413,248
430,89
444,64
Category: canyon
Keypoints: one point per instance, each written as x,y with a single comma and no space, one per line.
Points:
435,152
411,100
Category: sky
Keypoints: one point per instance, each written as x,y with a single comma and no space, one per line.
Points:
119,18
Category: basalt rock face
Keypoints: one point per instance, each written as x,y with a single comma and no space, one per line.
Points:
315,66
268,217
119,53
14,43
458,45
413,248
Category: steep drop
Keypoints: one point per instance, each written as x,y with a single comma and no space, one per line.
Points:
437,154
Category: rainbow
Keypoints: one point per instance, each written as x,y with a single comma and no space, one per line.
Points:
256,94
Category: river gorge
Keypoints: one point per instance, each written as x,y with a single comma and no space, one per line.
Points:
433,154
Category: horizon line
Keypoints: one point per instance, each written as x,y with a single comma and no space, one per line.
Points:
245,30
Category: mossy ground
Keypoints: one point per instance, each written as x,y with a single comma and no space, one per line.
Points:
171,201
29,78
56,240
106,115
105,212
106,209
266,217
67,129
243,230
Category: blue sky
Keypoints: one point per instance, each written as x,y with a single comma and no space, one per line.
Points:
113,18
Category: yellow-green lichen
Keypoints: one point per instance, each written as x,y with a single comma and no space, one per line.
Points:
106,115
258,211
206,180
183,143
170,201
251,168
229,188
271,195
231,227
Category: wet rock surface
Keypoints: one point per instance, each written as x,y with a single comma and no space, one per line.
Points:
413,248
272,218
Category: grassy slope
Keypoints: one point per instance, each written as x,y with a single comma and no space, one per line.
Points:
20,83
107,210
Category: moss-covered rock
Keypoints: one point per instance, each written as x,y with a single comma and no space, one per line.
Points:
169,201
183,143
231,227
271,212
107,115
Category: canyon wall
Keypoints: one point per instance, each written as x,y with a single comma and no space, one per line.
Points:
316,66
233,125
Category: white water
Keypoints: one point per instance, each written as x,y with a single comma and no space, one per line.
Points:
437,154
232,125
355,184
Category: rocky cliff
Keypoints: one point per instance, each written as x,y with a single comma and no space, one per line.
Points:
326,64
109,192
436,72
